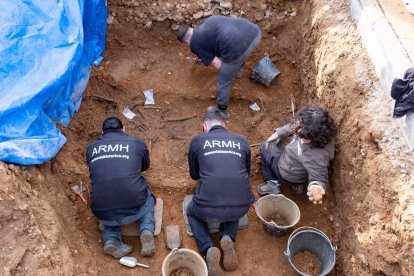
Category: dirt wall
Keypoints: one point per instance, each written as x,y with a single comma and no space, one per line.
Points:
368,214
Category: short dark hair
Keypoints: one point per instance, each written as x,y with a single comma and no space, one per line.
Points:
112,123
181,32
314,123
213,114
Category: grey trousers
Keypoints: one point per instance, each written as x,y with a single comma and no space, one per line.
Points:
228,73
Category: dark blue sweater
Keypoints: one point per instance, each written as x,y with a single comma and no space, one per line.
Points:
221,160
116,161
224,37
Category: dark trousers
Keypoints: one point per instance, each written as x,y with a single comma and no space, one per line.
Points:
199,227
270,159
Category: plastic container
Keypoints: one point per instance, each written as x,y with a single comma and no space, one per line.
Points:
265,71
277,204
184,258
316,242
131,262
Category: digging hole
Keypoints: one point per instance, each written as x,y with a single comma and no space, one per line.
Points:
140,56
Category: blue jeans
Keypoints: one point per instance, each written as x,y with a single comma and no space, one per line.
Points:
144,215
199,227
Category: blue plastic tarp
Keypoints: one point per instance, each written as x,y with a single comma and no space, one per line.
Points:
46,52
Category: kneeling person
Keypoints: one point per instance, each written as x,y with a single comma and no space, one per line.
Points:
303,163
221,160
120,194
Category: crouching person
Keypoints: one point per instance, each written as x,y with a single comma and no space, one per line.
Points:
303,163
120,194
221,160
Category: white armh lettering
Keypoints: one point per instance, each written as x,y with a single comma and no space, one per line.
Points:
110,148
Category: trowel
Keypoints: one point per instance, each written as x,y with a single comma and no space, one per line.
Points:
173,237
78,190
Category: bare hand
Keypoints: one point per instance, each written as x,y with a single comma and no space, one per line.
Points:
315,194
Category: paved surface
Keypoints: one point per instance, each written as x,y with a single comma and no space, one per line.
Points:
387,29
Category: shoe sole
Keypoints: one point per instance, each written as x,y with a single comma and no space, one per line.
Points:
116,252
148,246
266,193
229,254
214,263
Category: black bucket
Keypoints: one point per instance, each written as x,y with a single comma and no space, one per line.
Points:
280,205
265,71
316,242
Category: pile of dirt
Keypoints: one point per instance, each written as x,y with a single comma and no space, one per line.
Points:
307,263
277,218
47,230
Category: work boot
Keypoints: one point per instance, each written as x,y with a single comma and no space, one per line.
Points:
224,114
148,245
117,249
298,189
270,187
213,261
229,258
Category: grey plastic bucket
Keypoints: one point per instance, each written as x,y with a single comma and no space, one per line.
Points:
316,242
184,258
265,71
281,205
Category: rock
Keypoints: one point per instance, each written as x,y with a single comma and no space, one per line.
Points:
262,7
148,24
168,6
331,218
363,259
226,5
208,13
175,27
110,19
198,15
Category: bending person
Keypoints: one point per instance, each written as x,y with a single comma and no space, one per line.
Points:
226,43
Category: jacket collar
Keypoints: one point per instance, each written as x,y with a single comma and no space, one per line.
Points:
217,128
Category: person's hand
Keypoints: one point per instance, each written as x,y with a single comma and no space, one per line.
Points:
315,194
272,137
216,63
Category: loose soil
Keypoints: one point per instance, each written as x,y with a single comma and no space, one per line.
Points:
182,271
368,213
277,218
307,263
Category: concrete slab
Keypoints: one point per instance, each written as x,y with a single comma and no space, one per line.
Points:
387,28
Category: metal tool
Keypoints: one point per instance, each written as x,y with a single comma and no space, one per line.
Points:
78,190
173,237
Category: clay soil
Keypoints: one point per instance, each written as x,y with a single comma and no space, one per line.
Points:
278,219
46,230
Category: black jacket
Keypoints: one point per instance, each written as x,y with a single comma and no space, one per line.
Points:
221,160
116,161
402,90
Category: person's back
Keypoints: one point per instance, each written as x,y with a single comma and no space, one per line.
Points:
221,160
115,162
223,163
120,194
224,37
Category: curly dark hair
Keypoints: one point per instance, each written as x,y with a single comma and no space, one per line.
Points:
314,123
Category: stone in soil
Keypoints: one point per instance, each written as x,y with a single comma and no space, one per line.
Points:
278,219
182,271
307,263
